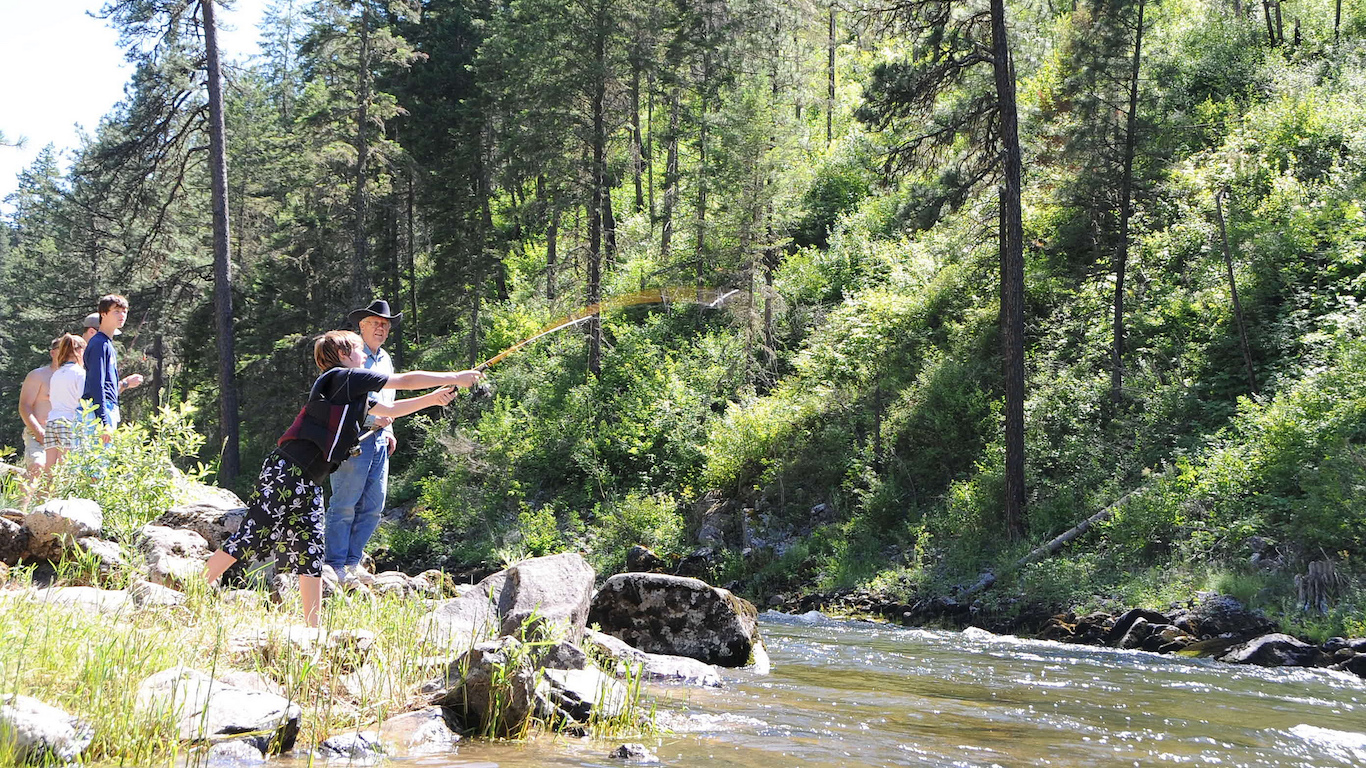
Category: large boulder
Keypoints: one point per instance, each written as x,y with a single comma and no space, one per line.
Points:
41,733
211,710
679,616
174,557
555,590
57,525
1273,650
89,599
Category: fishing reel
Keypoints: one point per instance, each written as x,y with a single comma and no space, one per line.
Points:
481,391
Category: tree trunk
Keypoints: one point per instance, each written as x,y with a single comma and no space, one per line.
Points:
412,268
360,268
830,80
1125,212
1233,291
1012,274
599,174
229,462
701,248
637,150
670,180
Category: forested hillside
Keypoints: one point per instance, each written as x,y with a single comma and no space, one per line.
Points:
826,399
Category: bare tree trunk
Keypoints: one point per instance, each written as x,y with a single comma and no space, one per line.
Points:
412,267
1270,27
1012,275
1125,212
595,215
830,80
1233,291
637,151
670,179
360,268
229,462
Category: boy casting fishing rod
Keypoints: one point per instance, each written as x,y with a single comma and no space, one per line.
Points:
285,513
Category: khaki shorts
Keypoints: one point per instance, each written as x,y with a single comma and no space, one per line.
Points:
62,434
35,455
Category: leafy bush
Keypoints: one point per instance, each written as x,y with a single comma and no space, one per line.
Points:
133,478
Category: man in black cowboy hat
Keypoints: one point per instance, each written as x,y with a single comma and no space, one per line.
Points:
359,486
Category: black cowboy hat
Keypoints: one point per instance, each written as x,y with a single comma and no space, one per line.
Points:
377,308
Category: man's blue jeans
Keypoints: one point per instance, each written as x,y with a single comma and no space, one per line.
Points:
358,490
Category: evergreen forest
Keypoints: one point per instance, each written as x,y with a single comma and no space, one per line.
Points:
891,293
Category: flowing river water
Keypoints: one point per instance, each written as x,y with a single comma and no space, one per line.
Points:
860,694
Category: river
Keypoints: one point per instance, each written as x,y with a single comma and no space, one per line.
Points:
859,694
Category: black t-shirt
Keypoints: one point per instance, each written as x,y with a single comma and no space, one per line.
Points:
317,447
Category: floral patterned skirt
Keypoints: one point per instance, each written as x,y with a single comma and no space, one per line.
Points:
284,518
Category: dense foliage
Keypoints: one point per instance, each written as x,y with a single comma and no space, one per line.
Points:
837,420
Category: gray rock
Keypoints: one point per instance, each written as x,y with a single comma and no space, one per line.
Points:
460,622
1115,636
563,655
423,732
210,710
576,695
87,598
41,733
492,680
58,524
235,752
214,520
394,583
14,538
679,616
1138,631
633,753
1211,615
175,557
1273,650
145,594
556,590
362,747
654,666
108,553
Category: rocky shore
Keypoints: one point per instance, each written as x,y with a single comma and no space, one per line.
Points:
509,654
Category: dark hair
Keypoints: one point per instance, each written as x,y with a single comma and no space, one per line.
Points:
331,349
69,348
52,345
109,301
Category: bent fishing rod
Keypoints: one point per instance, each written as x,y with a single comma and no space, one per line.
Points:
707,298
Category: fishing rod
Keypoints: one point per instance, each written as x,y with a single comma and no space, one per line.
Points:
707,298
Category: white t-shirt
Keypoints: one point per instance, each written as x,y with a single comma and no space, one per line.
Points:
68,382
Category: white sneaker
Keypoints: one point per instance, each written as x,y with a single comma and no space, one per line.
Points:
330,576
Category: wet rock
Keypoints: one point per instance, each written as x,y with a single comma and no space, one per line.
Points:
1273,650
59,523
362,747
234,753
423,732
633,753
1356,665
576,695
1122,626
678,616
492,682
211,710
41,733
654,666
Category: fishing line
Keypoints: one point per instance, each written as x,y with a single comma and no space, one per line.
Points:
707,298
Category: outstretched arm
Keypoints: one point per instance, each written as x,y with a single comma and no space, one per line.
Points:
413,404
425,379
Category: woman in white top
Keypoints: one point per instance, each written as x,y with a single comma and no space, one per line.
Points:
68,381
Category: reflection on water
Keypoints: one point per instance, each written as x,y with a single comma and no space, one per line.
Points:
858,694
